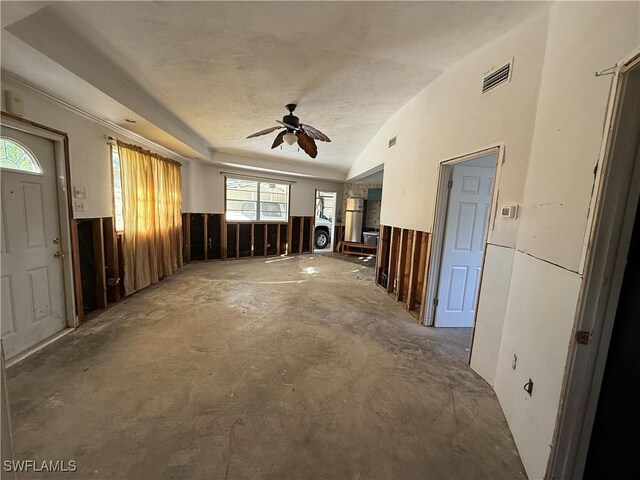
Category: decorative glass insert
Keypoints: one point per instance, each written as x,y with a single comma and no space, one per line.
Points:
14,156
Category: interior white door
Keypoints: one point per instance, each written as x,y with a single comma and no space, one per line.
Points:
463,246
32,278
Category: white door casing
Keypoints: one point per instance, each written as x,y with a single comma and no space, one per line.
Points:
33,304
467,219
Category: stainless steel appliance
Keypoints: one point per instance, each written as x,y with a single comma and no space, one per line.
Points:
353,220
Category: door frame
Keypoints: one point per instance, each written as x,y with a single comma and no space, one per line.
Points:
607,238
445,173
333,222
68,235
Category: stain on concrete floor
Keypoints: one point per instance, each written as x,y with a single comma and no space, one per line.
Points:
291,368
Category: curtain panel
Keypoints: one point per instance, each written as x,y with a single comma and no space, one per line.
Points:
152,205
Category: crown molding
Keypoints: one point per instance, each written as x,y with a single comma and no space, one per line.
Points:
11,78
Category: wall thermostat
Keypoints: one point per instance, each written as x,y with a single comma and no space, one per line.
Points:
509,211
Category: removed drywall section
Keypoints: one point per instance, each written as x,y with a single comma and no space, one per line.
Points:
451,117
537,326
569,124
496,277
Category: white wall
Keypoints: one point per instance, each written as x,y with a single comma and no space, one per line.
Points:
583,38
89,153
494,291
202,184
206,189
450,118
550,119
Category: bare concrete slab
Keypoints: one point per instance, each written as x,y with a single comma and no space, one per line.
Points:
291,368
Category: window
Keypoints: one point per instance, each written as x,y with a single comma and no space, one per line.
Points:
14,156
253,200
117,189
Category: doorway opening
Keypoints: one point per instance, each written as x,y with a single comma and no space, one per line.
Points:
325,222
463,210
37,280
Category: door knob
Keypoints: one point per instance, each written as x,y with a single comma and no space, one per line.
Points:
58,254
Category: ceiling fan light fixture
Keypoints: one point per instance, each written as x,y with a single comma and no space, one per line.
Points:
293,132
290,138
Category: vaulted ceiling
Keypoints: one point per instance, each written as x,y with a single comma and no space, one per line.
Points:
204,75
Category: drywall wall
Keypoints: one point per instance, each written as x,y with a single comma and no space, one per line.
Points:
582,38
186,182
537,326
450,118
492,304
89,152
206,188
550,119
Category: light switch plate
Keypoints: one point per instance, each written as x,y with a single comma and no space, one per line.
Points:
80,191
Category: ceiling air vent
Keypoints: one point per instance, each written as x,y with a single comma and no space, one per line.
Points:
392,141
497,77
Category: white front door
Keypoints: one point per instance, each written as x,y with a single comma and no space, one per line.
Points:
32,282
463,247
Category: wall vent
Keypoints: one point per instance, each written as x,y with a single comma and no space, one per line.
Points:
392,141
497,77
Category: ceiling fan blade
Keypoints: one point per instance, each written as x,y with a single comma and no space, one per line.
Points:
314,133
288,126
307,144
279,139
264,132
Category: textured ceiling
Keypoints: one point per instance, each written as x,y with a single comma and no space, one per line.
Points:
33,69
226,69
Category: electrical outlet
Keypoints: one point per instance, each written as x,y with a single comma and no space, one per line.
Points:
528,387
514,362
78,205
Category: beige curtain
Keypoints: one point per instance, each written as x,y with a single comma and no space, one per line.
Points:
152,204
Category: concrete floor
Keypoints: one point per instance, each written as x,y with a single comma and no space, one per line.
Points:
293,368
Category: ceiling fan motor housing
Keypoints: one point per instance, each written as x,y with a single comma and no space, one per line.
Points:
291,120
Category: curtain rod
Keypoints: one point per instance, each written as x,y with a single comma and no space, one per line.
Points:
257,177
111,140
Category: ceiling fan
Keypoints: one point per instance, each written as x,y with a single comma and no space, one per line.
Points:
294,131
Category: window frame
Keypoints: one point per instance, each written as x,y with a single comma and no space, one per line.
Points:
28,151
258,181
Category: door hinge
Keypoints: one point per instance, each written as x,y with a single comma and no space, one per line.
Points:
583,337
450,184
435,302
